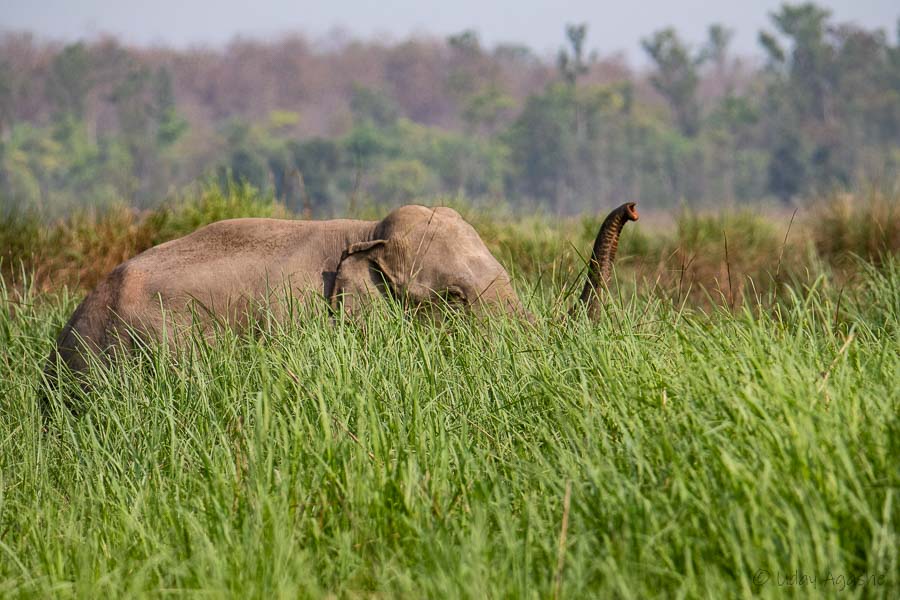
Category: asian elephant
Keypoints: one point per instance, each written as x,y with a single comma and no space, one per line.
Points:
221,272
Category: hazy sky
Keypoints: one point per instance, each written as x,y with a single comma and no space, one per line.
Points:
612,25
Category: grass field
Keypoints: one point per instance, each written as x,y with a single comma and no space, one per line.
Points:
711,449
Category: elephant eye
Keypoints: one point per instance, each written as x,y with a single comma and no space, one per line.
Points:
381,279
454,295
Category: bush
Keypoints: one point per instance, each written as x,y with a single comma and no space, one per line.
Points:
214,203
81,249
403,180
867,226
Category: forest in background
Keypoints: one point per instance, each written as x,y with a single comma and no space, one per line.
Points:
326,128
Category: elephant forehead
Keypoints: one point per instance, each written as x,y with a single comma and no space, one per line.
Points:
407,221
468,263
440,237
456,246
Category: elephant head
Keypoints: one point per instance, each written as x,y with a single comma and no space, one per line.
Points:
426,257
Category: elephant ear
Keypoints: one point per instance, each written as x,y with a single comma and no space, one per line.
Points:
368,270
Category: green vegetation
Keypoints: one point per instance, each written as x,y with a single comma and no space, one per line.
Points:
325,130
730,427
685,445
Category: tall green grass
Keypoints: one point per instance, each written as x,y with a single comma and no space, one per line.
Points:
663,452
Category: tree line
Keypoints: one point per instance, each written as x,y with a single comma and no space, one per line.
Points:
324,128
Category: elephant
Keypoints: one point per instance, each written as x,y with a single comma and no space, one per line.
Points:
221,272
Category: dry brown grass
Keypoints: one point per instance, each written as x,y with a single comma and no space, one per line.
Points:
866,225
703,258
80,250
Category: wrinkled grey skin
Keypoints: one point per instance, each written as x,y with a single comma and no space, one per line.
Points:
225,271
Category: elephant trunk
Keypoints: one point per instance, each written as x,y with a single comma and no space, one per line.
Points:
603,255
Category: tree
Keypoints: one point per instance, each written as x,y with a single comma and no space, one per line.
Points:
787,170
808,64
373,106
829,86
403,180
70,80
716,53
676,77
542,145
317,160
169,125
465,42
718,40
571,63
6,96
483,110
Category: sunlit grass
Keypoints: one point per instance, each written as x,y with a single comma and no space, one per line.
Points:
402,459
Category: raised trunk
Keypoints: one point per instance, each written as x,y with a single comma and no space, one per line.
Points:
603,255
